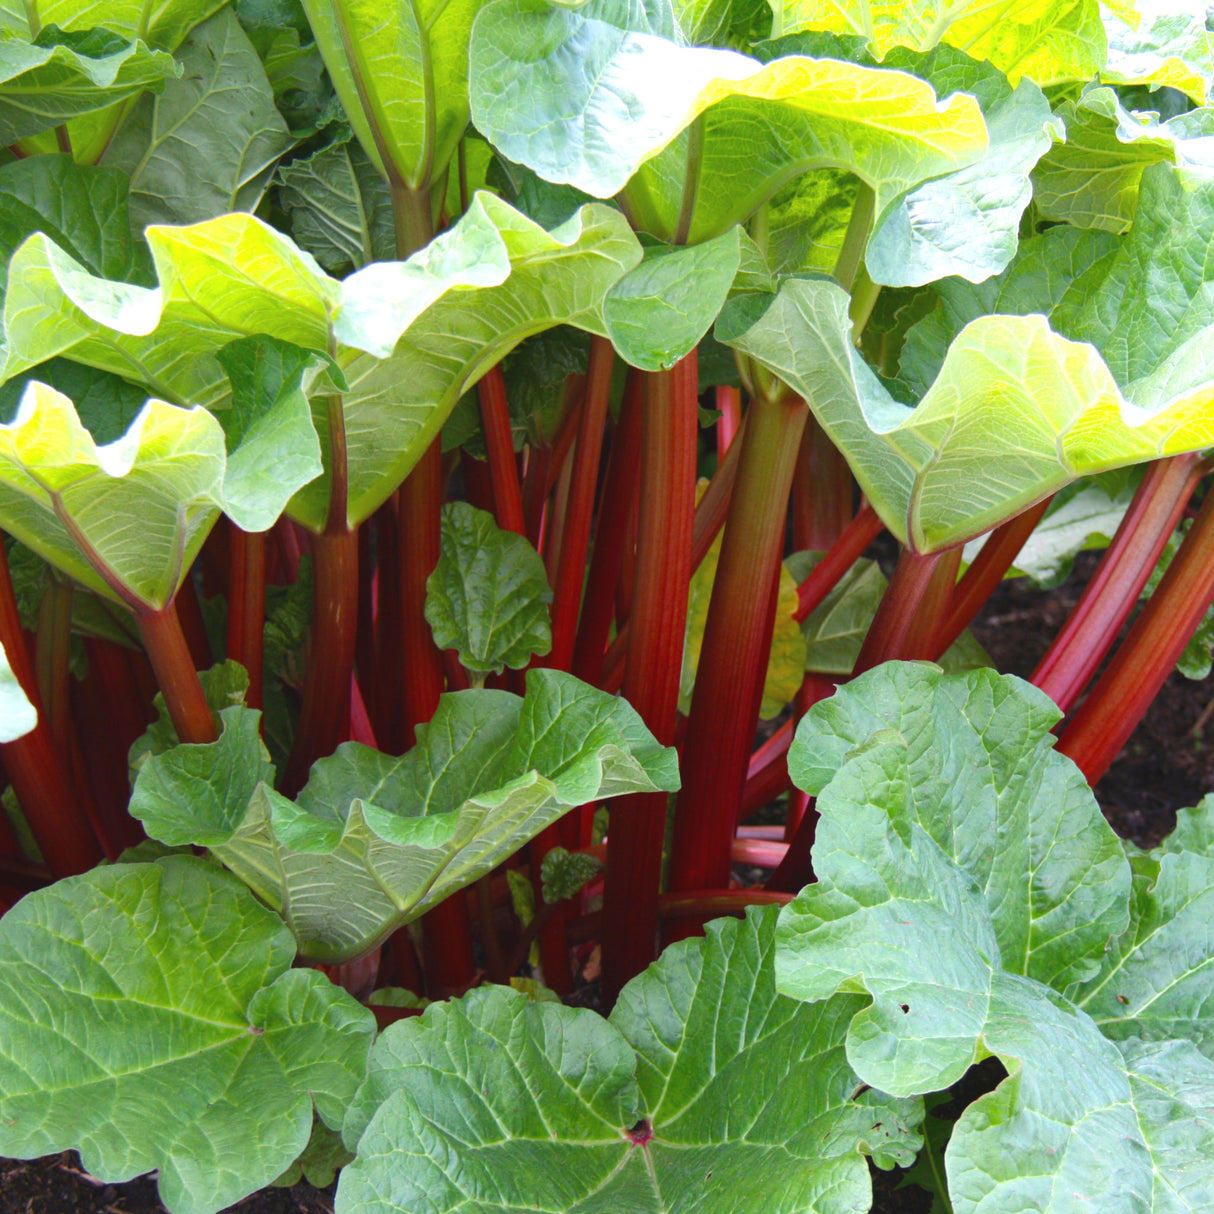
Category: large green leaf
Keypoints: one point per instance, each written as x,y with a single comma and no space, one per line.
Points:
963,946
1011,395
1046,40
705,1091
60,75
163,25
966,222
488,595
152,1020
401,71
209,142
602,97
1169,45
375,840
409,337
17,715
1091,180
84,210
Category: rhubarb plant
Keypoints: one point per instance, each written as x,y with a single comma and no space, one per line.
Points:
434,437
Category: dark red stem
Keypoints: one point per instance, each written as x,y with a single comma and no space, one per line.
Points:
173,664
247,606
822,491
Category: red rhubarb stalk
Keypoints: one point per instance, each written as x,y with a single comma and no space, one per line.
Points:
670,426
499,444
247,606
1123,571
1113,708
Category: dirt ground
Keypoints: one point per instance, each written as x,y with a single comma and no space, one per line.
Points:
1168,764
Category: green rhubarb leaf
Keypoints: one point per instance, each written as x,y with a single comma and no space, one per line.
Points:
1010,392
1064,40
564,873
61,75
105,403
966,222
17,715
1091,180
488,595
125,519
84,210
163,26
209,142
152,1020
658,312
958,944
200,793
374,840
269,424
603,96
409,337
1168,45
340,207
703,1086
320,1161
401,72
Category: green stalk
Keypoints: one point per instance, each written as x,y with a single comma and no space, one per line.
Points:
1113,708
736,646
670,426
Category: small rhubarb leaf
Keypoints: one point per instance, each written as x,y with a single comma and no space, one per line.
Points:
375,840
209,142
401,71
224,686
60,75
488,595
966,222
340,207
321,1160
703,1085
269,424
564,873
1046,42
200,793
126,519
659,311
234,1046
17,715
601,96
84,210
1168,45
1091,180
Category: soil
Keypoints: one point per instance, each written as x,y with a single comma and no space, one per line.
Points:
1167,764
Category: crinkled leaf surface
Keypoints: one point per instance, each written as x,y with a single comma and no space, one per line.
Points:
706,1090
209,142
1048,42
84,210
964,945
588,95
1091,180
564,873
966,222
401,71
375,840
1016,410
410,337
488,595
60,75
1169,45
340,207
152,1020
17,715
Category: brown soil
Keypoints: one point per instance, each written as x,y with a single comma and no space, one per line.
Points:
1168,764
